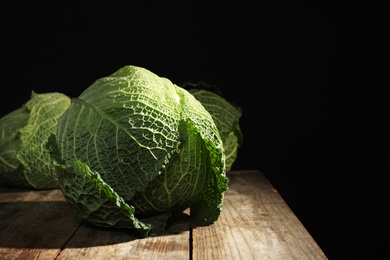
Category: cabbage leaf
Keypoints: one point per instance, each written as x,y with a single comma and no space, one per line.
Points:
225,114
25,161
133,149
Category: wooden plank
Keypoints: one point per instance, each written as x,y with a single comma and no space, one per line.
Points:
96,243
255,223
34,224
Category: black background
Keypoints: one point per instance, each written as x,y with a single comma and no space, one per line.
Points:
311,122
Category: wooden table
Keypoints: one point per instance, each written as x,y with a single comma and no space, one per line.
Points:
255,223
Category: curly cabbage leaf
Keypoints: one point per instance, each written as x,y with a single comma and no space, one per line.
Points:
25,162
133,149
225,114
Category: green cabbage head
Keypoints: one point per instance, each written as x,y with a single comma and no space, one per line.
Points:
225,114
25,162
134,149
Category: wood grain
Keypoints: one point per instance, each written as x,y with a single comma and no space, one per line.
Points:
91,242
255,223
34,224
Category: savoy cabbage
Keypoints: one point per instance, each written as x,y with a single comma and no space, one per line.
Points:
133,149
25,161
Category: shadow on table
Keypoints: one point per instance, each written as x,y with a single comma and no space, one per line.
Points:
51,224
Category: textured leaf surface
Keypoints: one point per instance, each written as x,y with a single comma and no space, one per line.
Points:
225,115
24,159
147,139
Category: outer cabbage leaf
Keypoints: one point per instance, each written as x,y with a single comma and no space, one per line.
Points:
225,114
149,144
24,159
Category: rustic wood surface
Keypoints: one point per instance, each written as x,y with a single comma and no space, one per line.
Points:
255,223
